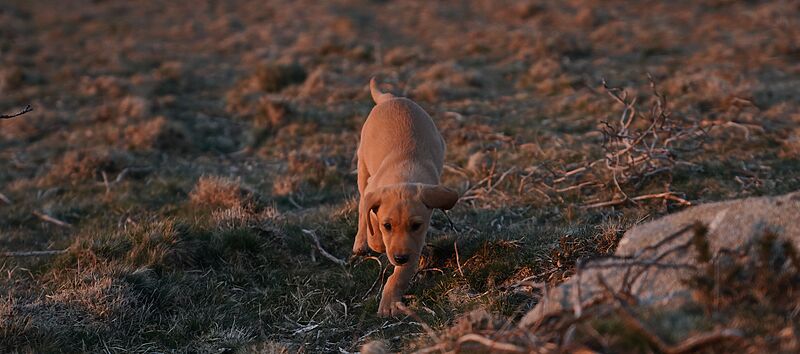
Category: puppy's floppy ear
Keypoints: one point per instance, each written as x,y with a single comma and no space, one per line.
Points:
438,197
371,203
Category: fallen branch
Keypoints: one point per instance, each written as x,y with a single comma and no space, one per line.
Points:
576,171
5,199
322,251
692,344
577,186
665,195
27,109
492,345
50,219
744,127
32,253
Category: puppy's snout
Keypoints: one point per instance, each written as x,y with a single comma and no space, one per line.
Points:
401,259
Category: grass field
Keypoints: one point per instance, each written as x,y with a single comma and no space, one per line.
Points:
183,153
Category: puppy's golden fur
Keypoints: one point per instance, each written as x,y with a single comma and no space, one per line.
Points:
400,161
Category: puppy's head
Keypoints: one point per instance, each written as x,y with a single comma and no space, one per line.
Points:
402,215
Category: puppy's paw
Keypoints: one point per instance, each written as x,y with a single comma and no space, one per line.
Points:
360,251
360,247
390,307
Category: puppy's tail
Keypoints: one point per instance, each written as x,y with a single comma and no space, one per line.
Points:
378,96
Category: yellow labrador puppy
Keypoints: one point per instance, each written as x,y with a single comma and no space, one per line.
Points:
400,160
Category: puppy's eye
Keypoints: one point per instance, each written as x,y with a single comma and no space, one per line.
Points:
415,226
387,226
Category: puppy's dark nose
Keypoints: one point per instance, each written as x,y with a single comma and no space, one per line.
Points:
401,259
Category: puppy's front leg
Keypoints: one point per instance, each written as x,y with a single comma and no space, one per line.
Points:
360,246
395,287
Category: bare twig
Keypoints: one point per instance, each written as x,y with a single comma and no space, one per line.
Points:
381,272
577,186
682,231
50,219
105,182
296,205
665,195
528,281
122,175
577,171
744,127
32,253
458,259
691,344
492,345
27,109
322,251
5,199
628,281
503,176
455,242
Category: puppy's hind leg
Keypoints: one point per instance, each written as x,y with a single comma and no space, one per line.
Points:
360,246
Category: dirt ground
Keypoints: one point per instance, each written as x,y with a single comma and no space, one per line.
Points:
183,152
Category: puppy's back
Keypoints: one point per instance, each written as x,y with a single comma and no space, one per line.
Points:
400,128
399,121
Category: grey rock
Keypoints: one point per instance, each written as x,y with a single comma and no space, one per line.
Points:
731,224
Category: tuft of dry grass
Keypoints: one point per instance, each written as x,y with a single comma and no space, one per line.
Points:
160,134
88,164
218,192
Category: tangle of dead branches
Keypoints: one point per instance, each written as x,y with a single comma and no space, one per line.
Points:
637,147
